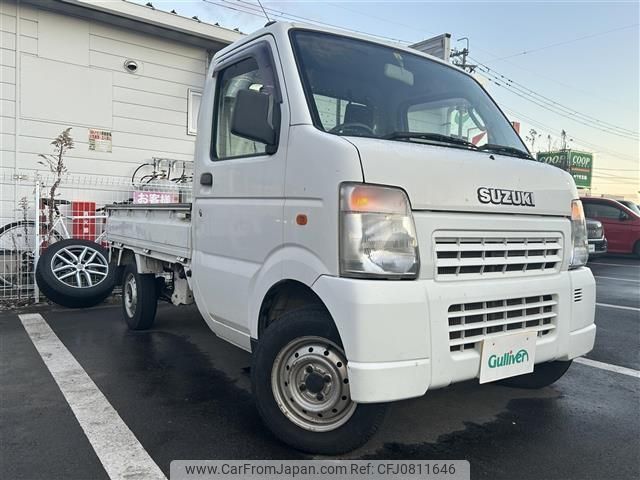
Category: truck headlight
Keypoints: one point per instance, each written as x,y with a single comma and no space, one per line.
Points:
377,233
579,242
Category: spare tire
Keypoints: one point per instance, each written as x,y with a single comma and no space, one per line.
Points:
75,273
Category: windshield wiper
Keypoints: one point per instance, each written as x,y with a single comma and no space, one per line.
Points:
516,152
436,137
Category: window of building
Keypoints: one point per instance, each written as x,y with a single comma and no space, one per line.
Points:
194,98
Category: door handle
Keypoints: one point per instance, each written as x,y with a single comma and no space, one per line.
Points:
206,179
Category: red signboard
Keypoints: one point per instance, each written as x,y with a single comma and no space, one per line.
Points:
84,220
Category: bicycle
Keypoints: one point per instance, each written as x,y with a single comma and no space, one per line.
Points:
18,248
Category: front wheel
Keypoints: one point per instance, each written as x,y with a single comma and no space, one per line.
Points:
139,298
301,386
543,375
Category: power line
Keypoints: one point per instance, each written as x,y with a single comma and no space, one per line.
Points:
313,20
595,147
550,104
546,106
385,20
566,42
537,73
250,8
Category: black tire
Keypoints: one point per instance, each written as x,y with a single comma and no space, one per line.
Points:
67,292
306,322
543,375
141,313
636,249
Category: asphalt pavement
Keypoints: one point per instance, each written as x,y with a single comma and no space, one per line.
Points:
185,394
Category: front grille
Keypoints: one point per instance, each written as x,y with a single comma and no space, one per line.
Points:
470,257
577,295
471,323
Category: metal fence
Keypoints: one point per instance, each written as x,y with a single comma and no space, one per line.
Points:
31,219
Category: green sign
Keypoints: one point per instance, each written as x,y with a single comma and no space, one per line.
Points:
578,164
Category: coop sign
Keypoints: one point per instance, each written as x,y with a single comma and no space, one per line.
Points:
100,140
578,164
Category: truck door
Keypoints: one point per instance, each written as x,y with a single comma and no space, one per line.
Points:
238,193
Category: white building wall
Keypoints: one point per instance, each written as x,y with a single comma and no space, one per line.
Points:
59,71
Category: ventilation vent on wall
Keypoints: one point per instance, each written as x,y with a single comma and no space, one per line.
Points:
577,295
131,66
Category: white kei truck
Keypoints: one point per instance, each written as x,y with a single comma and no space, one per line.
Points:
369,225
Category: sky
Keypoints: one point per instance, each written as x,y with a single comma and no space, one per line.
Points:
580,57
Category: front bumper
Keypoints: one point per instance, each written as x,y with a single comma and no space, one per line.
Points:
396,333
597,247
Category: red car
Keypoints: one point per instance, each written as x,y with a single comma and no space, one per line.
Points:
621,224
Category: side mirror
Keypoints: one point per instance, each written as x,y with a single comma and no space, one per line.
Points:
251,117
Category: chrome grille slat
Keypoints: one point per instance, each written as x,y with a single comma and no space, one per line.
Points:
471,323
496,255
469,262
467,340
508,308
445,247
496,323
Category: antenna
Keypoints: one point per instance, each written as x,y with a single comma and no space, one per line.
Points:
264,11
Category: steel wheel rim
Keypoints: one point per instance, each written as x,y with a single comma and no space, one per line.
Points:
311,386
79,266
130,295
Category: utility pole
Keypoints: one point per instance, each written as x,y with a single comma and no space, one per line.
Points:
533,136
462,54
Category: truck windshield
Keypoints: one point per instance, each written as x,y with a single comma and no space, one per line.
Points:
360,88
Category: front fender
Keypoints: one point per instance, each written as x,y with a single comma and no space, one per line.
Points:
291,262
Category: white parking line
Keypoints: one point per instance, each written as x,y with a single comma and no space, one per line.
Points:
122,456
614,264
607,366
621,307
621,279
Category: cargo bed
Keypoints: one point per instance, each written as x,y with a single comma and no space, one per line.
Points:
161,231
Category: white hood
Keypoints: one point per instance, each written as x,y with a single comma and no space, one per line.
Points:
453,179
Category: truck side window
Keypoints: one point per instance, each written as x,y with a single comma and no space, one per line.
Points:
453,117
247,74
331,110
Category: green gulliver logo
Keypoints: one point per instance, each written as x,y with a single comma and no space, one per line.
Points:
508,358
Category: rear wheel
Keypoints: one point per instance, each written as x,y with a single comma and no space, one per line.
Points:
636,249
139,298
301,385
543,375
